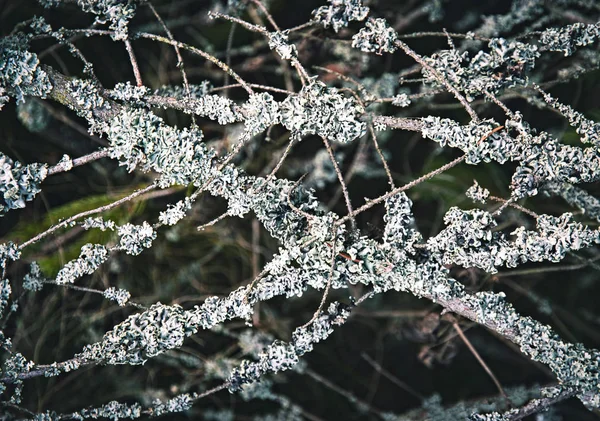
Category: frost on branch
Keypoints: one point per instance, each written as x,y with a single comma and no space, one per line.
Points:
19,183
376,37
339,13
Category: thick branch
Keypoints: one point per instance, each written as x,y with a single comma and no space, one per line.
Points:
61,94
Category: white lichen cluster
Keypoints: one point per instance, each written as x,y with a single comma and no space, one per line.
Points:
323,111
128,93
469,240
588,129
505,65
20,70
376,37
568,38
280,356
141,139
278,41
116,12
339,13
477,193
121,296
19,183
98,223
34,280
541,158
86,96
175,213
575,196
140,337
135,238
90,258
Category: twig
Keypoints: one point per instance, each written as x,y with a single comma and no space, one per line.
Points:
397,190
390,377
134,65
201,53
73,218
64,166
341,180
439,78
383,161
478,357
328,285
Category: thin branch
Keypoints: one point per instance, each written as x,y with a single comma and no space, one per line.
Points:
134,65
390,377
180,63
80,215
397,190
383,161
341,180
464,338
537,405
201,53
66,166
439,78
328,284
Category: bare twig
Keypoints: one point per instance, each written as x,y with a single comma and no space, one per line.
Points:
134,65
458,330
